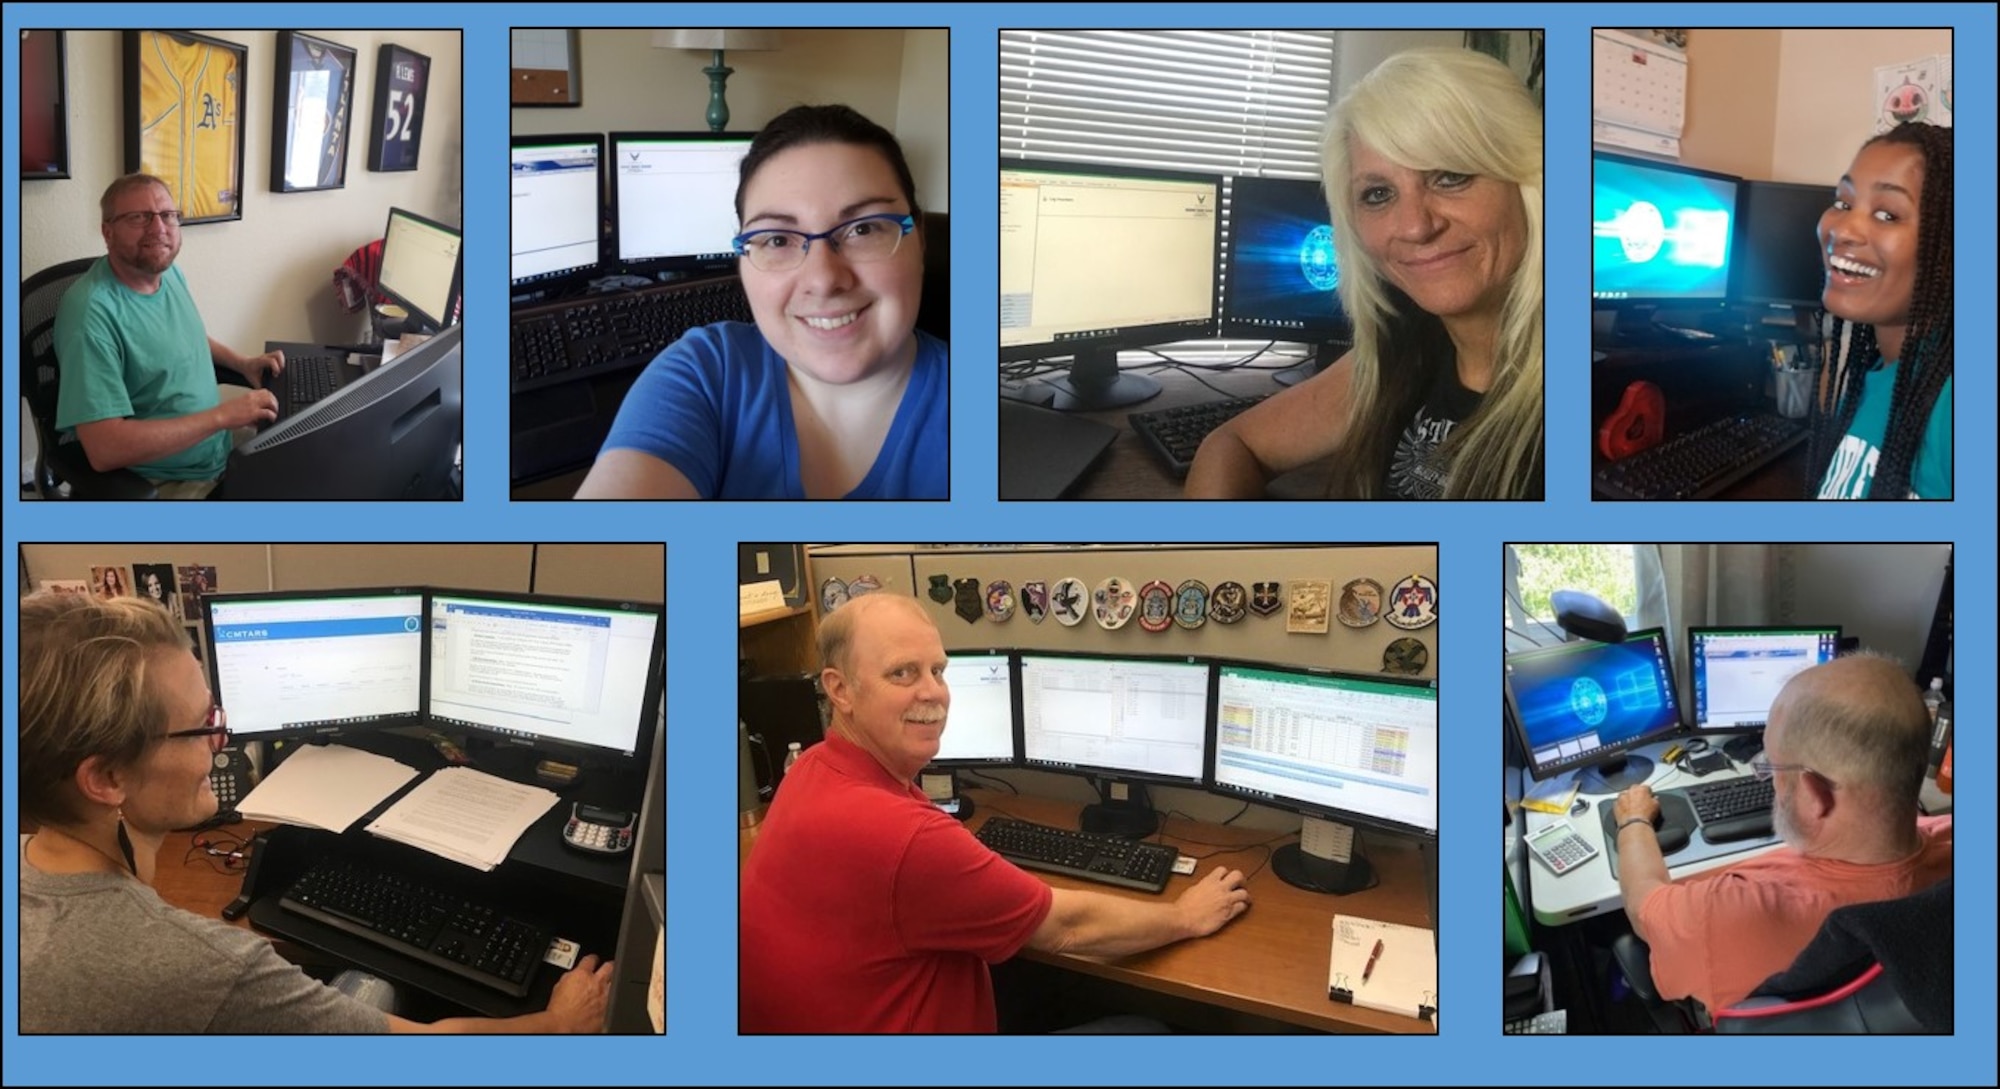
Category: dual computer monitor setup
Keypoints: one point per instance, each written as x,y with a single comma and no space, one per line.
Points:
1342,750
1584,707
669,199
571,680
1670,237
1097,258
391,432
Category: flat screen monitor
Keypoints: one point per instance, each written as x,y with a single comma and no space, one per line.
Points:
393,433
573,676
979,728
1735,673
673,198
317,662
1778,257
1095,258
1580,705
1661,233
1139,718
421,267
557,189
1280,274
1358,750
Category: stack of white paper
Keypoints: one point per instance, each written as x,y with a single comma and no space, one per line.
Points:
464,815
325,786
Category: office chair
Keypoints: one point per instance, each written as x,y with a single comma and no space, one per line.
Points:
59,463
1881,967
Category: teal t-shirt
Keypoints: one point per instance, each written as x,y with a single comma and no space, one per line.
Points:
1852,470
143,356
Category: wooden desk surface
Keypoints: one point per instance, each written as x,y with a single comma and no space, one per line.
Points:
1130,470
1270,962
194,883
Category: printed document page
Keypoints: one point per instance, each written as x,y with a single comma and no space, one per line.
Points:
325,786
465,815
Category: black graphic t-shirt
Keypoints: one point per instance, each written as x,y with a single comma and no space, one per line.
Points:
1417,470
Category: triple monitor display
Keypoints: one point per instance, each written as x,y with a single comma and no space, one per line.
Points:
1330,746
1585,706
1097,258
575,678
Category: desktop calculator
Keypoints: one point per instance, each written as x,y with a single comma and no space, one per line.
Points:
1553,1023
1561,847
599,831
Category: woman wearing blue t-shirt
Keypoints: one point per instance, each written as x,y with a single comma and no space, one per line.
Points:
834,393
1882,421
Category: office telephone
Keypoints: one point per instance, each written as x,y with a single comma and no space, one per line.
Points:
599,831
229,777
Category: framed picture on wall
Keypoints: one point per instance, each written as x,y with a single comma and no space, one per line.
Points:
184,119
44,106
402,79
312,110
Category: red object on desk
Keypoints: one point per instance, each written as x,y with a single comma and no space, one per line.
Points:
1944,772
1639,421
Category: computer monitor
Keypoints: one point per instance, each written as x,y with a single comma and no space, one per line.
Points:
979,729
557,187
578,679
1661,236
1735,673
421,268
1125,720
1778,258
393,433
1338,748
1096,258
1280,274
310,663
673,197
1586,705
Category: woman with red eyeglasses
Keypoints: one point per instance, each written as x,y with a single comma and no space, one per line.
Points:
117,733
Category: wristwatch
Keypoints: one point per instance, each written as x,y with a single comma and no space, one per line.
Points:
1648,821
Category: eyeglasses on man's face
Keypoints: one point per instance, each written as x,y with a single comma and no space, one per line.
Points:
868,238
171,217
1764,769
215,728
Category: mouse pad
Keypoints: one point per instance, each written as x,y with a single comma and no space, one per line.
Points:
1674,811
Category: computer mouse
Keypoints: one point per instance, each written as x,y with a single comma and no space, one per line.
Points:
1672,837
1579,807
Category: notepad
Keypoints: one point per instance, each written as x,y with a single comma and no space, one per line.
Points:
1404,976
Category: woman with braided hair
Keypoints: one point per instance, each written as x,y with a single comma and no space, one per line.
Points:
1882,419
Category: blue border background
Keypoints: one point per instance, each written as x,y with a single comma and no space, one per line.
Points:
702,1046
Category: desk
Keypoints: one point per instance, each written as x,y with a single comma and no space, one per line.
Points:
1590,889
1271,961
1128,469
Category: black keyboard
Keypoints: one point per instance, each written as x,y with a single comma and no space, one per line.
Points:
1734,798
604,333
309,378
1702,462
444,930
1112,860
1174,434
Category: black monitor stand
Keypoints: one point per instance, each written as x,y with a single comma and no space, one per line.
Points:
1123,809
1613,775
1324,353
1095,383
1326,859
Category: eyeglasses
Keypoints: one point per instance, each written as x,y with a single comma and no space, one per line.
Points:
869,238
1764,769
217,730
170,217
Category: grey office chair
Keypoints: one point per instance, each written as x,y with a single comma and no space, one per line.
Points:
59,463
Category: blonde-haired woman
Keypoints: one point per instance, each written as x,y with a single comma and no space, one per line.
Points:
1433,172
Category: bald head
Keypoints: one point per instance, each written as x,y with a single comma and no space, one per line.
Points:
1858,720
838,631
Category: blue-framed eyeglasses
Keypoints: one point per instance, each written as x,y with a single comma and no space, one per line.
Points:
867,238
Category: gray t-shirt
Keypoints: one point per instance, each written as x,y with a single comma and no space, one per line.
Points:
103,953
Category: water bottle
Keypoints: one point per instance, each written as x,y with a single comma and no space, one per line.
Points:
1934,697
792,752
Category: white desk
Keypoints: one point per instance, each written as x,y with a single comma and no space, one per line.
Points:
1590,889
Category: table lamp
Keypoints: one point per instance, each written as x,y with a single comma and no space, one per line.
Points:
716,40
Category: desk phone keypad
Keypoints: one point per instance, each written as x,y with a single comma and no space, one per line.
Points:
224,784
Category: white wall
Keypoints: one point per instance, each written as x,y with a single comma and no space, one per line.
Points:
923,114
269,275
1826,95
1882,594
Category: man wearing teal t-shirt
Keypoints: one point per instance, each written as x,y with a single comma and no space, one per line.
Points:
138,386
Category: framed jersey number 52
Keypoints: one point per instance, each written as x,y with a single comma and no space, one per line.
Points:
402,77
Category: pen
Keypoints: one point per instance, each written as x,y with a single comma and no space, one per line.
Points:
1369,969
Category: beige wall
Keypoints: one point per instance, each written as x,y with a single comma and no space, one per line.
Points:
269,275
897,78
1789,105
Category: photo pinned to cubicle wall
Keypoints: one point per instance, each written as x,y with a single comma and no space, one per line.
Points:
1306,767
1664,719
1743,304
1176,263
